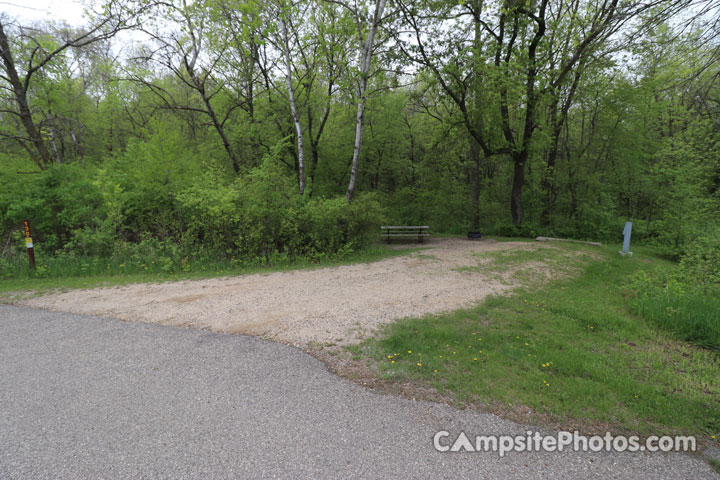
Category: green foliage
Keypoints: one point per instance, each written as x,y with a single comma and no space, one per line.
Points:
700,266
686,300
328,226
443,208
152,215
64,204
143,159
262,216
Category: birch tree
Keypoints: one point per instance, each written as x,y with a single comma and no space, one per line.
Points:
285,17
367,29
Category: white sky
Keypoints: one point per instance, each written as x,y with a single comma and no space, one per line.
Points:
69,10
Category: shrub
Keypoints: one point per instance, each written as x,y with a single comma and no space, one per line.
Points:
261,216
62,203
86,223
700,265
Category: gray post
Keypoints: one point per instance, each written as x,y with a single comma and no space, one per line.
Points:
627,231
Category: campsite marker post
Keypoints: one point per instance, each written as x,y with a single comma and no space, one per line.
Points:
626,241
29,244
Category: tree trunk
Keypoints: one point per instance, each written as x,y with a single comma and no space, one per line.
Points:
200,87
53,142
359,121
220,130
475,181
547,183
43,158
365,60
557,122
293,107
315,139
516,206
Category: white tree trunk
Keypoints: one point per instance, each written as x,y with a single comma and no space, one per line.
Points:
293,107
365,61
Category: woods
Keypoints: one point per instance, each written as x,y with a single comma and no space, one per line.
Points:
261,129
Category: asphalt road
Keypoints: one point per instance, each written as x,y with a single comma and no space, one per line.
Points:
84,397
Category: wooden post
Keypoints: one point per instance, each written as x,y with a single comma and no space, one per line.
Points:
29,244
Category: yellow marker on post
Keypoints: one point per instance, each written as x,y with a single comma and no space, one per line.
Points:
29,244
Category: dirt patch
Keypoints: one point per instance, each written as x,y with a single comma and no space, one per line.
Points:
338,304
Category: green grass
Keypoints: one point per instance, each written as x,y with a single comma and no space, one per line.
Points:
95,272
691,316
571,350
530,265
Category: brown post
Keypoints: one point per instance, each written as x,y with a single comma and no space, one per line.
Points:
29,244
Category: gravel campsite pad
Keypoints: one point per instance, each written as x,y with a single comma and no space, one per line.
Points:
337,304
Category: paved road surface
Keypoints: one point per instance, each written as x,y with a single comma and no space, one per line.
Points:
83,397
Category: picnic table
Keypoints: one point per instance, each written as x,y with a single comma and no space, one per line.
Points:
388,232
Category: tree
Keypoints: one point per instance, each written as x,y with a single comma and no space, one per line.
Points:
522,52
366,28
26,52
182,50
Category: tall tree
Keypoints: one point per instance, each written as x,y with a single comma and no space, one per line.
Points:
366,28
181,48
522,63
26,52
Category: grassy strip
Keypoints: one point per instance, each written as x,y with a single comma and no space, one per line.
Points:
571,351
691,316
103,272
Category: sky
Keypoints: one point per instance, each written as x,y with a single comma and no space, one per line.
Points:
69,10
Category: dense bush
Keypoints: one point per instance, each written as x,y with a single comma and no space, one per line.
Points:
700,265
64,205
261,215
87,223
